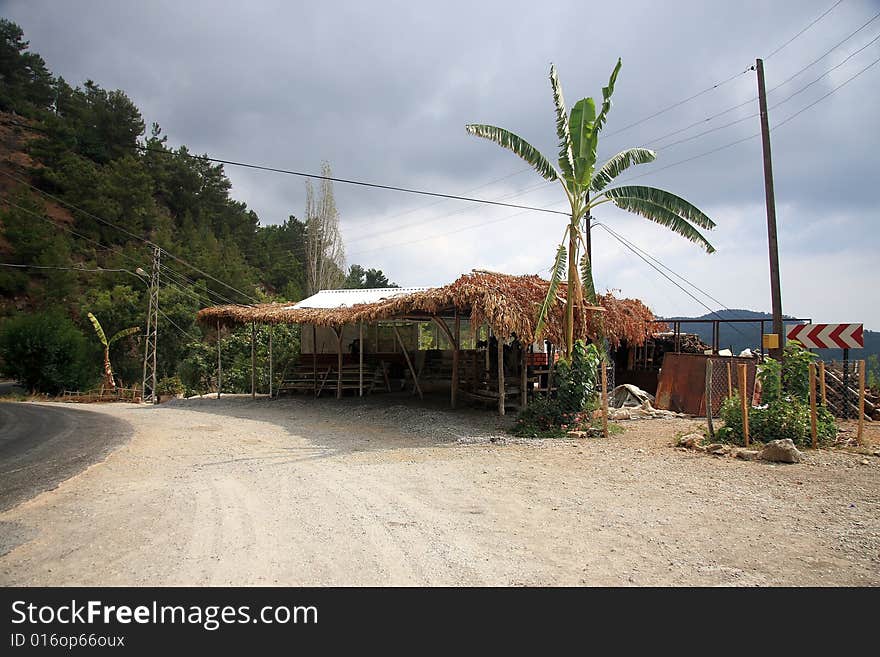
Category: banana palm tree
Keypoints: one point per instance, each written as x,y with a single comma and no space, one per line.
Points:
587,187
109,381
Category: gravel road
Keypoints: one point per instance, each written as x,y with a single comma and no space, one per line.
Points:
376,492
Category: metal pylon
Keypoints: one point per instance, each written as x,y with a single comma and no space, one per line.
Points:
150,344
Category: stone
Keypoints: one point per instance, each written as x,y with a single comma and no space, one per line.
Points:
748,454
691,440
714,447
781,451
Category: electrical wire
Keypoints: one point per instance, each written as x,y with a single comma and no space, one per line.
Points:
348,181
816,20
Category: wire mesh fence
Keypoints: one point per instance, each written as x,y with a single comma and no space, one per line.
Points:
725,379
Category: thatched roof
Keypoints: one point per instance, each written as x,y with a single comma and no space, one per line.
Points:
508,304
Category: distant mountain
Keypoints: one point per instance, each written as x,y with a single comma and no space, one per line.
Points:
738,336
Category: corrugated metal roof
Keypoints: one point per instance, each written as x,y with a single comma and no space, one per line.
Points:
348,298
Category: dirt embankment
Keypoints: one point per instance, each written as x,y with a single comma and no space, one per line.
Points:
306,492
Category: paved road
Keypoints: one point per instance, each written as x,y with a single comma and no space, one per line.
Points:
41,445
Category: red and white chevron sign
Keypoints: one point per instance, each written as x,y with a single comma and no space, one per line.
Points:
826,336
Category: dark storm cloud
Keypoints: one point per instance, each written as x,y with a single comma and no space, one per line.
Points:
383,90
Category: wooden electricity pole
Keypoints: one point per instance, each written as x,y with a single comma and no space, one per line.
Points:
775,290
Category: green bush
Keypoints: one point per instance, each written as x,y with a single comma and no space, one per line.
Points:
786,409
576,399
170,385
45,352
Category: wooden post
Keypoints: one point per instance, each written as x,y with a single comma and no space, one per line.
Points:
861,402
822,382
602,364
456,348
361,360
315,358
500,374
730,381
253,360
219,364
709,397
523,376
271,373
744,400
488,335
339,361
814,432
412,370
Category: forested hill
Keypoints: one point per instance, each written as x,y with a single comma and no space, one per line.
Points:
84,185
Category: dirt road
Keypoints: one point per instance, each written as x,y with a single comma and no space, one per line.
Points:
319,492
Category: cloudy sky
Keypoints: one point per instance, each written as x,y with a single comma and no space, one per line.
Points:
382,90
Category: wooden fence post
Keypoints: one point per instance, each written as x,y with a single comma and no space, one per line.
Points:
861,402
729,380
744,400
814,431
604,399
709,397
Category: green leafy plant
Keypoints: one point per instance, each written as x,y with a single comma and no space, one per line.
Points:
576,398
785,412
109,380
170,385
586,187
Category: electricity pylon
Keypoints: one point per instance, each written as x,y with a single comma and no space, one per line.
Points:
150,344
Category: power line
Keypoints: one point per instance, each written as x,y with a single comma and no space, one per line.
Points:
79,269
841,85
676,104
174,324
827,52
348,181
816,20
662,273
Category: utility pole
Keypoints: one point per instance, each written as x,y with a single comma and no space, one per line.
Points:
772,241
150,344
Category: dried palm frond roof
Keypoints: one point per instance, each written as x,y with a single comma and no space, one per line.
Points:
508,304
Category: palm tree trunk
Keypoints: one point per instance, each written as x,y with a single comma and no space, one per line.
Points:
108,371
571,295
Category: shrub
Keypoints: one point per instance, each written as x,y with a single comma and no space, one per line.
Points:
574,403
786,409
45,352
170,385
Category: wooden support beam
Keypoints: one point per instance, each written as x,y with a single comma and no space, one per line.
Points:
443,327
408,362
361,359
339,360
500,376
253,360
523,376
219,364
456,348
315,358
